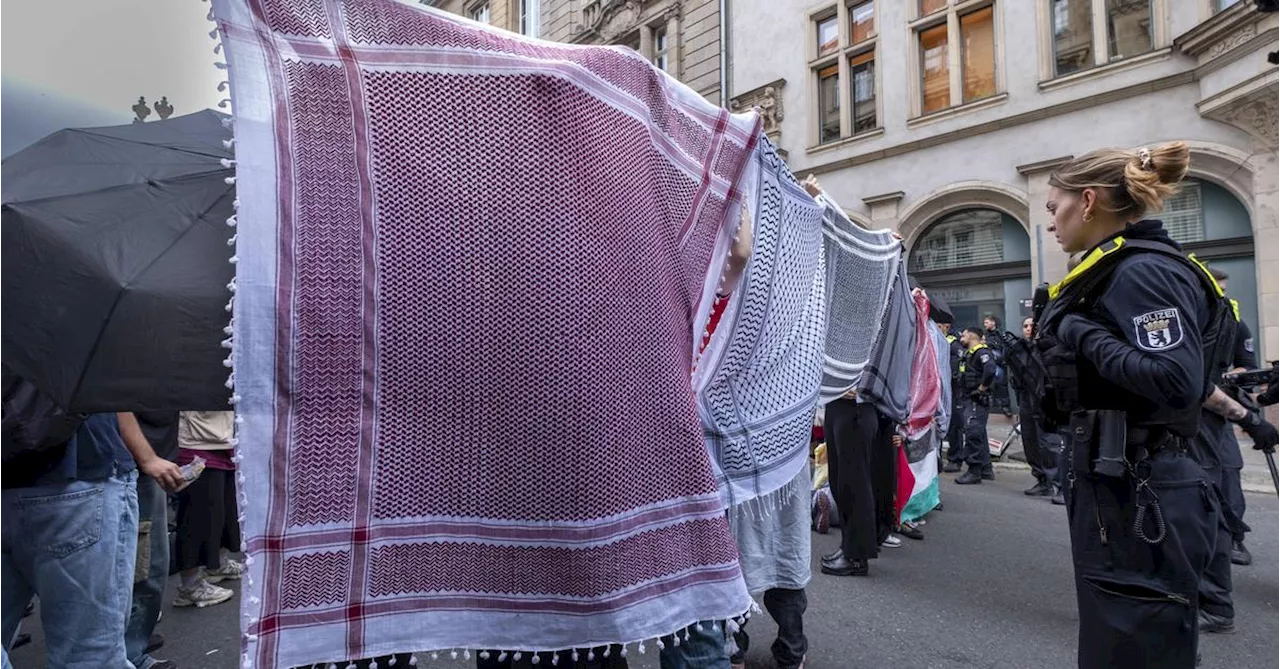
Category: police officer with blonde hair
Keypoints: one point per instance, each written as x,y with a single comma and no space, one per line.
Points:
1130,339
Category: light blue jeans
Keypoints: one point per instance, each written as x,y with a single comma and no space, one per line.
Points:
704,649
73,545
149,594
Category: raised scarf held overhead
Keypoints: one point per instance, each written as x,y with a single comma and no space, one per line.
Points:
871,333
473,269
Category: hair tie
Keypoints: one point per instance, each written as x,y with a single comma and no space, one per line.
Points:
1144,155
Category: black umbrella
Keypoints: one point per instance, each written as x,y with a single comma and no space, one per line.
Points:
115,265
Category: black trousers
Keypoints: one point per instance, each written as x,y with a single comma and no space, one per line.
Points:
1137,599
787,608
884,479
955,430
1215,583
1234,494
851,431
1041,450
977,450
207,520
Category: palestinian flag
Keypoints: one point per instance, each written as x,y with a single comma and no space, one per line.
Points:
918,457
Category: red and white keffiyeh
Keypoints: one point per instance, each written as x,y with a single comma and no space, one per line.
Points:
472,272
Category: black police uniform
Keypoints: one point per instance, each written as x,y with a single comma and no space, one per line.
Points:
1126,361
1040,446
977,371
955,429
1229,455
1216,449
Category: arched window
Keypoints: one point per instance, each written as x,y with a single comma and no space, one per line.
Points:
963,239
979,261
1210,222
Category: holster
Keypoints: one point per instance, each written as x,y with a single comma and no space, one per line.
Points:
1099,442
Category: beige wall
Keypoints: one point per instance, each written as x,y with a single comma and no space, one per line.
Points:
694,56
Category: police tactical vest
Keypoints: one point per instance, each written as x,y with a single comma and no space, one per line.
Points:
971,375
1080,289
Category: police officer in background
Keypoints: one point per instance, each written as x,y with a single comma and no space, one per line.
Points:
1242,358
977,373
955,429
1038,446
1129,340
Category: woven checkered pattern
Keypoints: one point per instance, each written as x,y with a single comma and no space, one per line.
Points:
472,272
861,269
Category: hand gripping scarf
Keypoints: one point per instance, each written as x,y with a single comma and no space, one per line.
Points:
472,269
862,268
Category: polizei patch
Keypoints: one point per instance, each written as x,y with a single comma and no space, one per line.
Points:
1158,330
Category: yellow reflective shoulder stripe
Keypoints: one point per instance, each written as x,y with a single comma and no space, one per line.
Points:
1235,308
951,339
1205,268
1090,261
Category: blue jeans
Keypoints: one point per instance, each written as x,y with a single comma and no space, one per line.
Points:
73,545
704,649
148,593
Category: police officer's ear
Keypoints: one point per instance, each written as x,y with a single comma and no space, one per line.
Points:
1088,203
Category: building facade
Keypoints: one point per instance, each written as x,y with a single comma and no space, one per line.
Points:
683,37
942,119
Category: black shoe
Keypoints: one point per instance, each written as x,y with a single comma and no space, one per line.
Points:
951,467
834,555
1040,489
843,567
1240,555
938,507
989,474
21,640
969,478
1211,624
911,533
156,642
1058,499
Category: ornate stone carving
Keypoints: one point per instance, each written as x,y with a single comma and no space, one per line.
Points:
606,20
1256,112
767,99
1260,118
140,110
163,108
1241,35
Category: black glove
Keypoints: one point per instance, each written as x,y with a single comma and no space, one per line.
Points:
1268,397
982,397
1264,434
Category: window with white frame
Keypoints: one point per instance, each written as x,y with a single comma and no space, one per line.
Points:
955,52
843,66
1089,33
530,17
480,13
661,48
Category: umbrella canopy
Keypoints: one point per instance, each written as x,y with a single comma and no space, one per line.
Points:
115,265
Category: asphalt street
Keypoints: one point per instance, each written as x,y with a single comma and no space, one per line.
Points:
990,586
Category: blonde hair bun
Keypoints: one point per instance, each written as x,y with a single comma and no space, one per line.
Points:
1136,181
1153,175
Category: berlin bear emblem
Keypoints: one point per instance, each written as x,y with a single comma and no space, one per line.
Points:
1158,330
